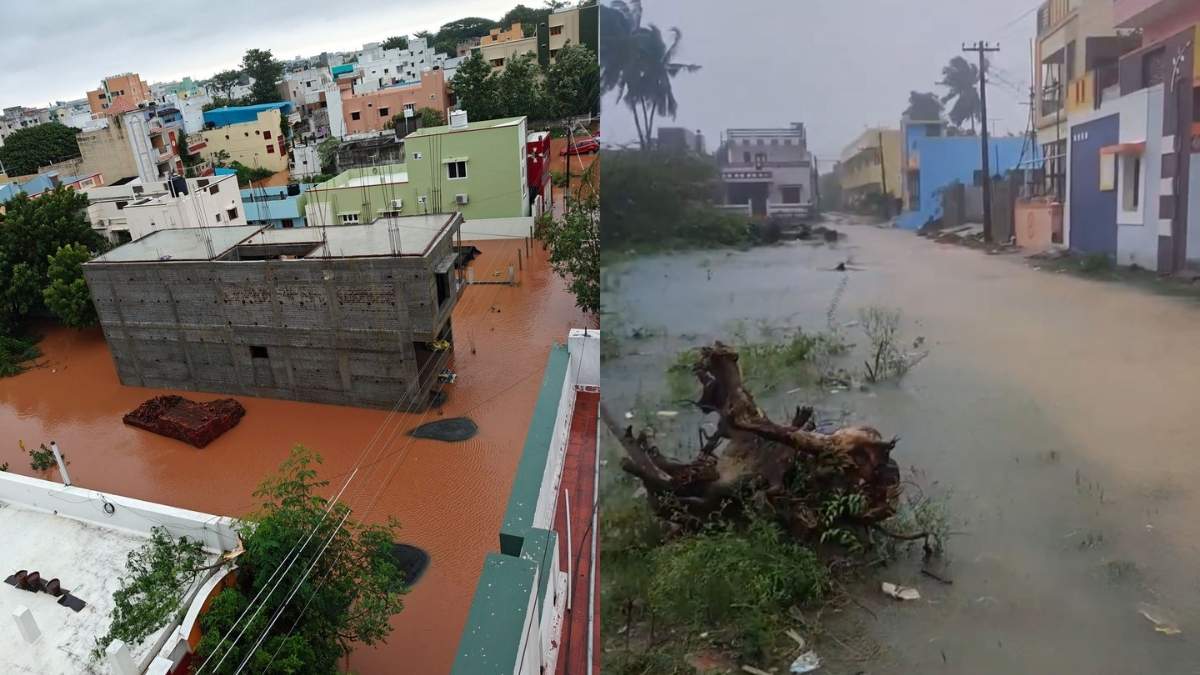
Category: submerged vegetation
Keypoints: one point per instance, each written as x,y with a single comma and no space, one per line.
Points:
15,353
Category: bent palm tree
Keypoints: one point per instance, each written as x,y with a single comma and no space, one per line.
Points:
637,62
960,78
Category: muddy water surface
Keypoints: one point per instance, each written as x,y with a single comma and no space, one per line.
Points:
449,498
1059,413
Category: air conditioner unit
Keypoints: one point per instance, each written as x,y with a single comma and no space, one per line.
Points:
460,199
421,200
397,204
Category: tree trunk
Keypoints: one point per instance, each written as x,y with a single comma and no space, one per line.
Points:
792,471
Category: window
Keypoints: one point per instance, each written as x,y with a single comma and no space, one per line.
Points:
218,217
214,189
121,205
759,142
410,106
443,287
287,222
787,141
1131,182
774,141
383,112
246,134
201,182
456,170
1108,172
257,132
232,214
354,115
556,30
226,136
270,149
267,135
258,352
348,218
746,157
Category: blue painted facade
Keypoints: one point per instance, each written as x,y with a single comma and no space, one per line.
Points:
1093,211
221,117
942,160
274,206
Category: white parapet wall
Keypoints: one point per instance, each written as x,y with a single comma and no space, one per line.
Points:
497,228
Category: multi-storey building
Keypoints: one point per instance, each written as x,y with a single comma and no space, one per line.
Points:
378,67
143,143
769,170
374,111
119,94
870,165
134,209
18,117
77,113
249,134
576,25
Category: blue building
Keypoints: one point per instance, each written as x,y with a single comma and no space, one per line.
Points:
221,117
932,160
278,207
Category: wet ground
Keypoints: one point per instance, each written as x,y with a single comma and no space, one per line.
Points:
1058,412
449,498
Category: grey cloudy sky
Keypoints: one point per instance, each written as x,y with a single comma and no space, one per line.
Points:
58,49
836,65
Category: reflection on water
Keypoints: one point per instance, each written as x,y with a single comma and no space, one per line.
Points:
449,497
1058,412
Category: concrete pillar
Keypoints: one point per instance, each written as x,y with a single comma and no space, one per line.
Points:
160,666
120,662
26,624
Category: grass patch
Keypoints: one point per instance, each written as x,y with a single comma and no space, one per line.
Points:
774,359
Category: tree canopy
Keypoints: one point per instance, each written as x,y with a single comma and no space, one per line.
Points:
223,83
573,82
396,42
27,150
260,65
923,106
67,295
31,233
352,591
570,86
446,40
476,88
960,77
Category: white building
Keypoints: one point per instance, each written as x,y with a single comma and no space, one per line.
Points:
81,539
135,209
17,117
191,107
305,161
379,67
75,113
304,87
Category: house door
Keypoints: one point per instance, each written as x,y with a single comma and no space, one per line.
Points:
1093,210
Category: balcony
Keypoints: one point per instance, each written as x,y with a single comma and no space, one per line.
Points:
1051,15
1139,13
745,176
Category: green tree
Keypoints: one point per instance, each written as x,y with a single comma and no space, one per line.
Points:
430,117
446,40
573,82
396,42
574,243
327,153
31,232
923,106
520,89
266,72
67,295
222,83
475,88
352,591
639,65
960,78
27,150
528,17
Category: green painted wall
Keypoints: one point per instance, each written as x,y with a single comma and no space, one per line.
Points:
495,182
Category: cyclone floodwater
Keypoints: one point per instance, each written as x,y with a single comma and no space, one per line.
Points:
449,498
1058,412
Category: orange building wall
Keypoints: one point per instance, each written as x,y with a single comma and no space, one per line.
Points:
1035,223
430,93
135,91
495,35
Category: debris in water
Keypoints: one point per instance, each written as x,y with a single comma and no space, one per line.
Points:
667,413
806,662
1158,617
450,430
900,592
754,671
801,644
189,421
629,415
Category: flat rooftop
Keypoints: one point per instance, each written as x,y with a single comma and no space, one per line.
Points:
471,126
88,560
366,176
403,235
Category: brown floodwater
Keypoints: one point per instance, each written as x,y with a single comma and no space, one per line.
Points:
449,498
1058,413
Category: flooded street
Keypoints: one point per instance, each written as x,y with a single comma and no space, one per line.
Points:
449,498
1058,412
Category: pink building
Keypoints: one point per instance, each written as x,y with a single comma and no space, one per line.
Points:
373,111
1158,19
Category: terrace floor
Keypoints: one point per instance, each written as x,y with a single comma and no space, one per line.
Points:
449,498
582,620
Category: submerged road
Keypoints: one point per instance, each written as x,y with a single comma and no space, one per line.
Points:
1059,413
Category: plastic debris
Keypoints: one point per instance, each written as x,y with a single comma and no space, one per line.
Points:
806,662
1158,617
667,413
900,592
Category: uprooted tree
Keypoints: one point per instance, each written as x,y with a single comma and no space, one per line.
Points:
811,482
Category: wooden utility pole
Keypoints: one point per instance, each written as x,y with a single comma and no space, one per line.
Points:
887,198
983,48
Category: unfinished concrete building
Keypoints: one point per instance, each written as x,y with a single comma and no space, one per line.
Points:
352,315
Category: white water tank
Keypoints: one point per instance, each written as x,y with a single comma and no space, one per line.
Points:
458,119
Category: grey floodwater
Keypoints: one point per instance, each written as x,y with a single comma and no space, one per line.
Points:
1059,414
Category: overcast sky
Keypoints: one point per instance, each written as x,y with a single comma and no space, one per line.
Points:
59,49
836,65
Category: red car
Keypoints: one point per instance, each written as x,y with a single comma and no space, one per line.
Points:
581,146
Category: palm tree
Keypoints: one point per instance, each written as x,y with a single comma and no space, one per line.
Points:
638,64
960,78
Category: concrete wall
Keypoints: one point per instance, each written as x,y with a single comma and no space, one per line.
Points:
256,143
335,331
1035,224
107,151
944,160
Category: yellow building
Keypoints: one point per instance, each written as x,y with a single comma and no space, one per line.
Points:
865,170
249,135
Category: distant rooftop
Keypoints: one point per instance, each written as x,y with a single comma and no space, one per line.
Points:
233,243
221,117
385,174
471,126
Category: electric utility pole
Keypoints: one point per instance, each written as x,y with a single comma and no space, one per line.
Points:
983,48
887,198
